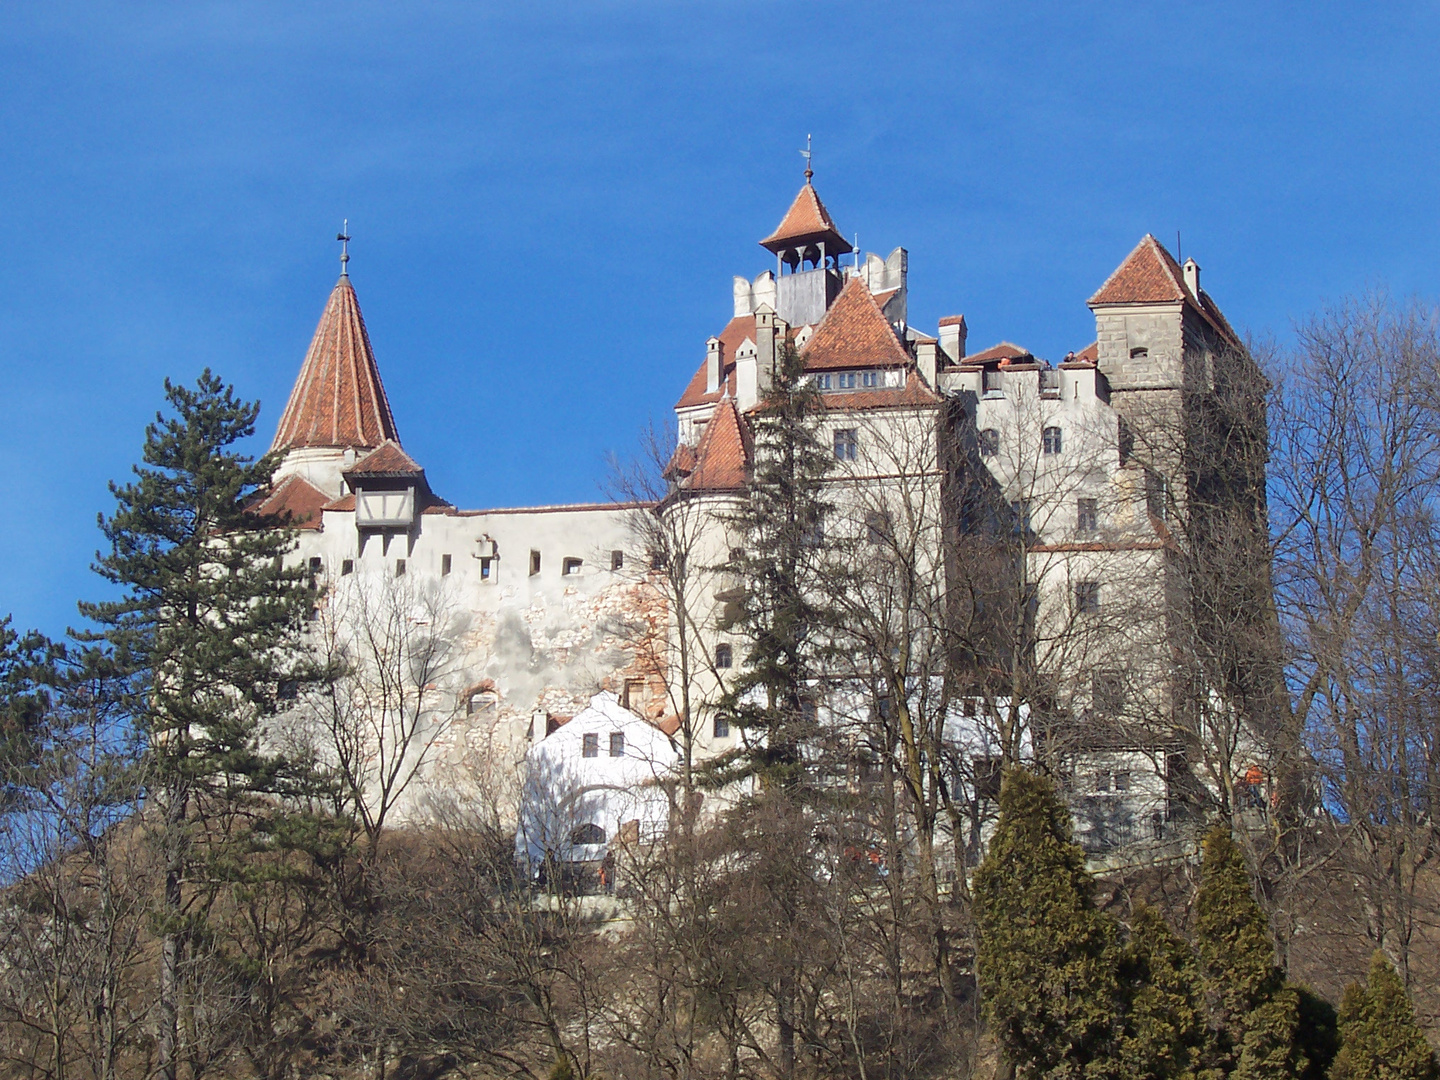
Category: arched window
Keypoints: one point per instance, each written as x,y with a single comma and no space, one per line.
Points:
1050,439
1139,354
589,833
989,442
723,656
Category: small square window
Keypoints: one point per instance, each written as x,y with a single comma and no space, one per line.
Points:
534,562
479,703
289,690
571,566
1087,597
1101,780
347,566
617,560
1122,780
444,565
617,744
1050,439
723,656
399,567
315,564
722,727
590,745
847,443
992,383
1087,516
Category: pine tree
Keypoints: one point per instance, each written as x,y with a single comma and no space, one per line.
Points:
1166,1036
1047,961
28,678
1257,1015
1380,1038
781,612
207,625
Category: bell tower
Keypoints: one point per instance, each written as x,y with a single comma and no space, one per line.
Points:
806,246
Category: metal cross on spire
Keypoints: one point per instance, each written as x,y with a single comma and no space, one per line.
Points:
809,172
344,238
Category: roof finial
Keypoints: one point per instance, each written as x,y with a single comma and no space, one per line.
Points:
344,238
809,172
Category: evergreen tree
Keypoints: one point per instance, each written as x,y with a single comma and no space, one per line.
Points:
1257,1015
1166,1036
1380,1038
207,626
781,612
1046,960
28,677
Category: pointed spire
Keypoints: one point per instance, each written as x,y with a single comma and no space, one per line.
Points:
806,222
338,400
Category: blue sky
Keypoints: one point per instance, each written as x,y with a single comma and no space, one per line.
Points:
549,201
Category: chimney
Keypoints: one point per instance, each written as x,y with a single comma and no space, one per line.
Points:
767,329
952,337
747,379
1192,278
925,361
712,366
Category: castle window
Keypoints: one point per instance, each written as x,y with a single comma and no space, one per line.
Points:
989,442
534,562
1139,354
1050,440
1087,597
1122,780
617,744
723,656
480,702
617,560
347,566
587,834
1157,491
444,565
877,526
316,564
870,378
847,443
399,567
570,567
1087,516
289,690
1102,780
1050,383
845,380
634,692
590,745
814,534
1020,516
822,382
1107,692
721,727
991,384
1127,442
487,568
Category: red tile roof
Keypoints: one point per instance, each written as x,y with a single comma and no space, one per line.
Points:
1150,275
1004,352
386,460
1147,276
338,399
723,456
854,333
731,338
295,498
807,220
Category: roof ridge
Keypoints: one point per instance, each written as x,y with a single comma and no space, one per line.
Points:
828,345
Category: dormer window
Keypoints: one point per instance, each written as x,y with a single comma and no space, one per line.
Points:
869,378
392,508
845,380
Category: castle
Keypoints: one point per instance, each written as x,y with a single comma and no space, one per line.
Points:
1058,493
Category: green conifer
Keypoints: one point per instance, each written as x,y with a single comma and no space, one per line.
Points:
781,611
1047,961
207,625
1165,1033
1380,1038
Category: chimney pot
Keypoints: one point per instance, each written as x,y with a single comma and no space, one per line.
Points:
1192,278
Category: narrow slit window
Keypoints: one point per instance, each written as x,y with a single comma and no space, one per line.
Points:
1087,597
444,565
723,657
487,568
347,566
534,562
1087,516
617,560
399,567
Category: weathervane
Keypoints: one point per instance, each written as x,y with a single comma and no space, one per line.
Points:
344,238
809,172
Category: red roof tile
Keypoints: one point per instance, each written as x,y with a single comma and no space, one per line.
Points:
295,498
807,220
731,338
386,460
338,400
1147,276
723,455
1005,351
854,333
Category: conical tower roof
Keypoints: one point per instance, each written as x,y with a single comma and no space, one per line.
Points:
807,222
338,400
